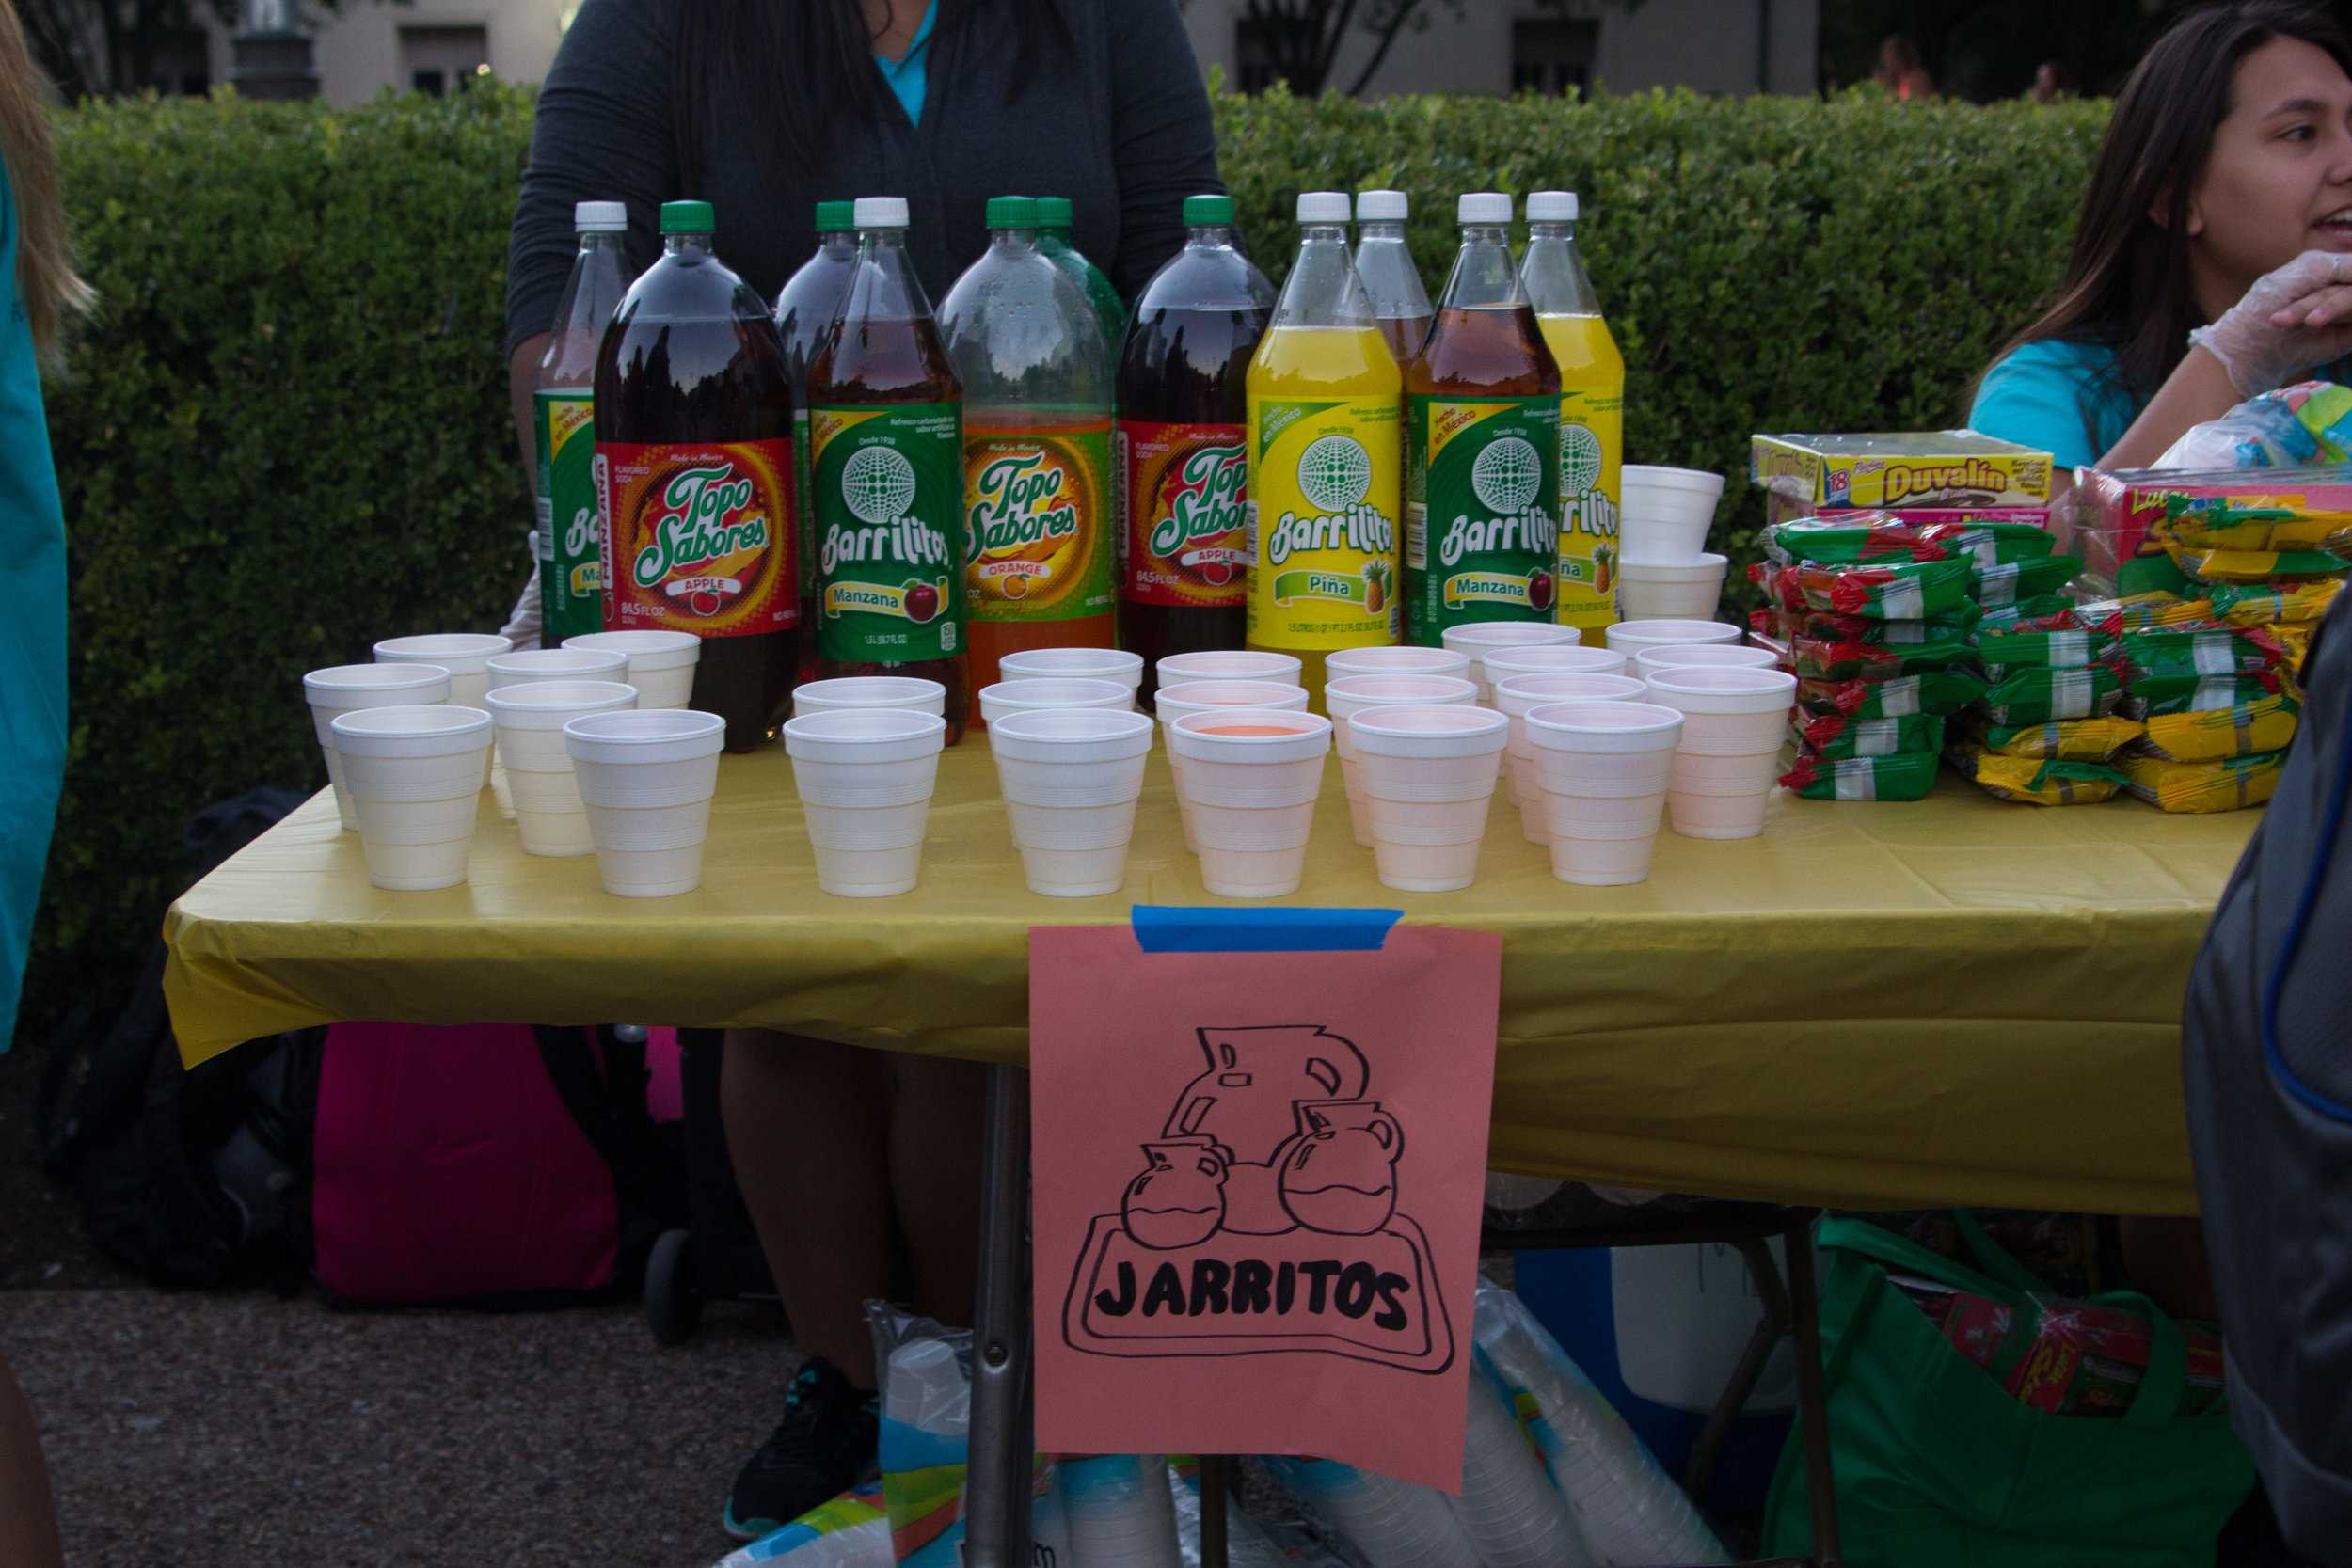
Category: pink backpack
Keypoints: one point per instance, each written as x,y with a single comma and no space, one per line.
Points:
490,1164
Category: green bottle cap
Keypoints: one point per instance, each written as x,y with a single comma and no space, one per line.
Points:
1203,211
686,217
1013,211
1053,211
836,217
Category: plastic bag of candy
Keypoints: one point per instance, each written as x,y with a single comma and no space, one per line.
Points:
1824,627
1897,591
2220,566
2034,783
2036,696
2134,612
2268,603
1815,660
2049,649
1836,736
2067,1357
1904,776
2210,734
1942,692
2025,612
2206,649
2230,784
2060,740
2017,580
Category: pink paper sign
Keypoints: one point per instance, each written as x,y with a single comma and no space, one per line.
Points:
1258,1180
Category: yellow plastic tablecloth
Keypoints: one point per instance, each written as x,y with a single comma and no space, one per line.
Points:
1959,1001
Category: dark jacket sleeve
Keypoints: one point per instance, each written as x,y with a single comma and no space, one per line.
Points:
602,133
1163,144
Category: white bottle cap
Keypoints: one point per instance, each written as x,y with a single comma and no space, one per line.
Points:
1323,206
1382,207
1552,207
600,217
1489,209
879,211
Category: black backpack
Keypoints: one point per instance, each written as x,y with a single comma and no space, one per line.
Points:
2268,1068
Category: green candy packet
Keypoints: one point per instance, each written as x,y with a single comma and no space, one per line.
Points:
1839,737
2012,582
1884,591
2047,650
2036,696
1941,692
1906,776
2155,696
2034,609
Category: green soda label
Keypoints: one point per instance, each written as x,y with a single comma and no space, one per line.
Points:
571,534
1482,520
888,483
804,499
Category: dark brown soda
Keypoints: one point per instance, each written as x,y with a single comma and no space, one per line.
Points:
881,360
677,367
1483,349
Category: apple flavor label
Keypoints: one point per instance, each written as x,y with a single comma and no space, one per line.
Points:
1482,523
698,536
1188,545
888,492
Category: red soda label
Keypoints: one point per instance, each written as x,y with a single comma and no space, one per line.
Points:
1182,538
699,536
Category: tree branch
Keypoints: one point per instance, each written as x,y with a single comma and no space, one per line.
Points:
1394,25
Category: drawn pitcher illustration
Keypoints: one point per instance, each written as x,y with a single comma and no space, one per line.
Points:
1337,1174
1179,1201
1245,1102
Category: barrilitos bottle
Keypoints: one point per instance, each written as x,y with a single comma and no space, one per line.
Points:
1181,463
887,423
568,537
1325,472
1054,218
694,475
1592,410
1037,437
1390,277
1482,422
805,309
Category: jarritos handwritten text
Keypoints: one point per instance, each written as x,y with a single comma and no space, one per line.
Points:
699,537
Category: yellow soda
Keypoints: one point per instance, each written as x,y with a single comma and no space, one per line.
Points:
1324,460
1592,410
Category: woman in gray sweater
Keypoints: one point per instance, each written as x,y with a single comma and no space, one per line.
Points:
764,108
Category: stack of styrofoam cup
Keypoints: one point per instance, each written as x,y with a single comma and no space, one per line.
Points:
910,692
647,778
464,655
342,688
1225,664
1631,637
1515,696
1348,697
1703,656
1401,659
661,663
1196,696
1097,664
866,777
1604,768
1071,778
1026,696
1253,775
1729,759
1428,773
1479,637
557,664
1497,665
1665,568
528,721
415,777
1658,589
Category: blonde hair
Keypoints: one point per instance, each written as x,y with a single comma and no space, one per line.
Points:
44,250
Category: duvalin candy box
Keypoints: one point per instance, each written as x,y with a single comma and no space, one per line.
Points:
1925,468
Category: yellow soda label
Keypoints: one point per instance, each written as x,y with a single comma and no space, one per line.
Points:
1325,477
1592,450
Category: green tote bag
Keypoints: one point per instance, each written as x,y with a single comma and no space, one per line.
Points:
1938,1467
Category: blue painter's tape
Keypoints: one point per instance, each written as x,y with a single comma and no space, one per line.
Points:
1210,929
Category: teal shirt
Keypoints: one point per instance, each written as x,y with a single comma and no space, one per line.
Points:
2056,397
32,633
905,75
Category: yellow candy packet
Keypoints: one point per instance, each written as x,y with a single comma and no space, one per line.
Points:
2203,786
2255,565
2273,603
2211,735
2035,783
2062,739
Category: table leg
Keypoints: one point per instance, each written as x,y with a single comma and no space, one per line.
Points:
1215,1470
996,1490
1804,1311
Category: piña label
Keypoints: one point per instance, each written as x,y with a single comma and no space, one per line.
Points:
1591,449
1482,528
1323,480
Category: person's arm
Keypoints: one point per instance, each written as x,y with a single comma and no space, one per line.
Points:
1163,146
602,133
2198,388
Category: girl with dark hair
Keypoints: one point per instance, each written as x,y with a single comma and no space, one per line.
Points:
764,108
2212,258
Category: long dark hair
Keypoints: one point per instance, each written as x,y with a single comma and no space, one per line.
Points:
792,75
2128,284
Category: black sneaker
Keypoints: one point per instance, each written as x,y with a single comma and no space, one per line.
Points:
823,1444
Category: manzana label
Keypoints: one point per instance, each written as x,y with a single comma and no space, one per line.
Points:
1483,522
1037,536
698,536
887,479
1185,541
571,529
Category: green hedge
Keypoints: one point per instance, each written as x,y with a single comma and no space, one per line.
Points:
287,434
